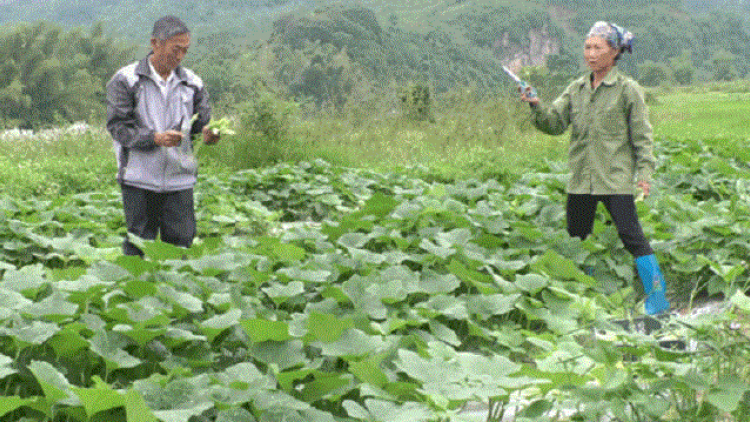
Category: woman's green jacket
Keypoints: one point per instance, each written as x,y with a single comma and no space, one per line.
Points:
611,140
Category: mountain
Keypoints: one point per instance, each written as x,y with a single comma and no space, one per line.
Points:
133,19
442,42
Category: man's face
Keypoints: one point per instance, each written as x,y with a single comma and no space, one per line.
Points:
599,55
168,54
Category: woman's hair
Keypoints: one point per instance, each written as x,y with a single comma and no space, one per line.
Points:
616,36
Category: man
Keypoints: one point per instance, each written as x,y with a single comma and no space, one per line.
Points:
150,108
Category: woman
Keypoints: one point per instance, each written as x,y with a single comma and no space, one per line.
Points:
611,144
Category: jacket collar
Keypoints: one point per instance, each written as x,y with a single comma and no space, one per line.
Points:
609,80
143,69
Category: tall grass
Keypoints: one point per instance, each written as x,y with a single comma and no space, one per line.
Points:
56,162
468,134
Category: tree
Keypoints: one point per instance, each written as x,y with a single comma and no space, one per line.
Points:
722,63
48,75
652,73
682,67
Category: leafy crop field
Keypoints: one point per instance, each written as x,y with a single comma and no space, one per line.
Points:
411,299
405,297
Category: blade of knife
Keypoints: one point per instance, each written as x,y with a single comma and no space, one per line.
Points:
512,75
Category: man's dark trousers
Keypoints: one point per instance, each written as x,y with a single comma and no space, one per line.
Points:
170,214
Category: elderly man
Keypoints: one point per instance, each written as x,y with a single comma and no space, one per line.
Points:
150,108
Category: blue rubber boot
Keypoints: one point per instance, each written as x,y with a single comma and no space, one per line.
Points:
653,284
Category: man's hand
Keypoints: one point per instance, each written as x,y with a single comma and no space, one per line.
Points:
209,136
170,138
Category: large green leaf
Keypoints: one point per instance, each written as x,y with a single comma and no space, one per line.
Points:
313,384
376,208
272,247
35,333
136,409
54,308
69,342
55,386
217,324
11,403
326,327
176,400
280,293
235,414
352,343
727,393
182,415
159,251
283,355
136,265
561,268
432,282
472,277
369,371
385,411
12,300
531,283
28,280
141,336
99,398
260,330
109,346
358,289
6,366
487,306
185,300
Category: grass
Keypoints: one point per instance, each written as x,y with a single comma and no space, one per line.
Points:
56,163
690,113
457,143
468,136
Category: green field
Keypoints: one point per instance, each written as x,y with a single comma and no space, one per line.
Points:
433,271
710,116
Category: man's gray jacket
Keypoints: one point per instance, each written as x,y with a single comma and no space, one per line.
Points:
137,109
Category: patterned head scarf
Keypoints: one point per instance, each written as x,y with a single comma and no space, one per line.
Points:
618,37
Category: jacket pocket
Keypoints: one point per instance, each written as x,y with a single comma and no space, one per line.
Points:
187,161
612,121
144,168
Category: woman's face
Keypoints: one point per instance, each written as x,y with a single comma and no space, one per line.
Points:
599,55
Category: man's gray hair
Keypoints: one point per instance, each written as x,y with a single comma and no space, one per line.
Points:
169,26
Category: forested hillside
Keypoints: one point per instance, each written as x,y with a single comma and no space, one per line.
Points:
337,52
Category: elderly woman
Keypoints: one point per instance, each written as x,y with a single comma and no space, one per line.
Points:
610,148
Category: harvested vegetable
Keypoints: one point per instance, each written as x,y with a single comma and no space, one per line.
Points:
222,126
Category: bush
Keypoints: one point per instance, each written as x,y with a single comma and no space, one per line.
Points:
264,136
682,68
416,103
722,63
267,116
652,73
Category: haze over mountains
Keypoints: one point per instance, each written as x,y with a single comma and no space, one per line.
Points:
254,18
337,52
